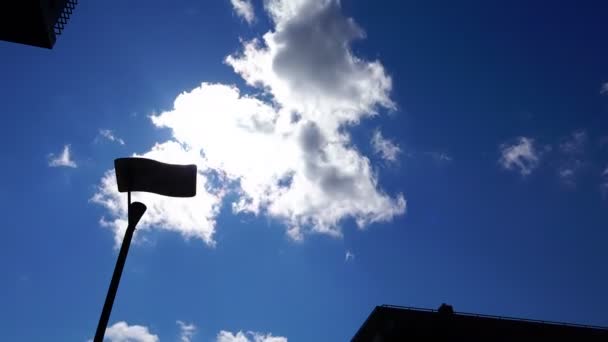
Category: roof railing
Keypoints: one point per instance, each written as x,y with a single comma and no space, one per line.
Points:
64,16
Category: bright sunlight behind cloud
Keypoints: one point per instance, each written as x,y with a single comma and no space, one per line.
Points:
191,217
290,158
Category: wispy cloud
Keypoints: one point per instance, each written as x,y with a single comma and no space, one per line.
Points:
349,256
244,9
122,332
186,331
567,172
572,151
604,89
521,156
109,135
302,170
440,157
387,149
226,336
604,186
63,159
575,143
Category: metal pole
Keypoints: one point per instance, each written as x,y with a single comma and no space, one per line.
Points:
120,263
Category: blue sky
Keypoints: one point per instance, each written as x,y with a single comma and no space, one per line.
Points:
350,154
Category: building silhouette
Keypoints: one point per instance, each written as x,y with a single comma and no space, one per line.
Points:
389,323
34,22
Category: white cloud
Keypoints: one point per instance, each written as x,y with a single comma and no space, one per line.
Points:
521,156
226,336
109,135
349,256
186,331
575,144
286,154
191,217
604,89
308,66
244,9
62,160
384,147
122,332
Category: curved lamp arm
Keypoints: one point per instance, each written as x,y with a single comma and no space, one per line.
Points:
136,211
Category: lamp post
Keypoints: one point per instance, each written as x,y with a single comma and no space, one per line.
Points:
141,174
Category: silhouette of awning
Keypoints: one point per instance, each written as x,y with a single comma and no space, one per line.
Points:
141,174
34,22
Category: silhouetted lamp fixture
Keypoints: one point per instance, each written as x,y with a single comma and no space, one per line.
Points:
141,174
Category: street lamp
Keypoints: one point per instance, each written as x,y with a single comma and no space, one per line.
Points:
141,174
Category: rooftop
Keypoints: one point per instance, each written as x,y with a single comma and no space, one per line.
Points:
397,323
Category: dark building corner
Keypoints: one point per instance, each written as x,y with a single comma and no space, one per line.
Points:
389,323
34,22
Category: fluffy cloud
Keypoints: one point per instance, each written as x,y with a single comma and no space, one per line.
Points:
384,147
244,9
226,336
186,331
63,159
122,332
308,66
109,135
286,154
191,217
521,156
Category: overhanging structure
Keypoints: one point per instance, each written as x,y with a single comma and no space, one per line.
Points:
392,323
34,22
